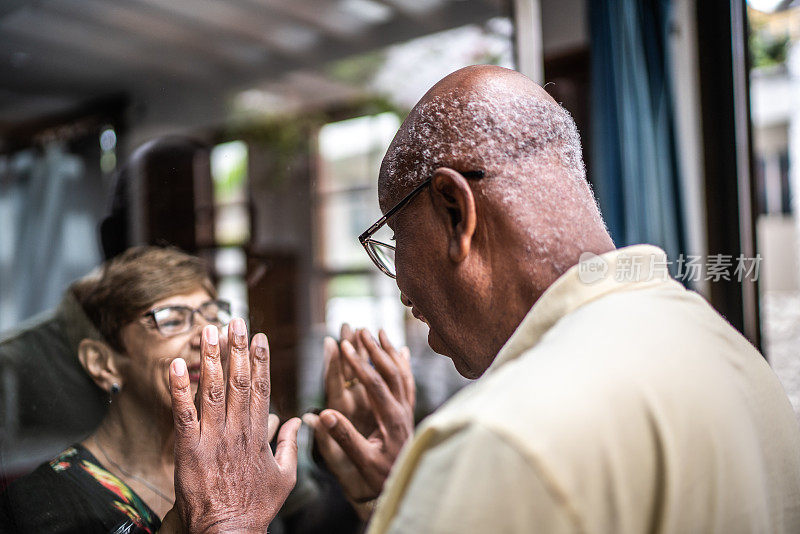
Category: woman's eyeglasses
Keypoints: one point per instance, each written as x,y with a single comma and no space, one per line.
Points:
174,320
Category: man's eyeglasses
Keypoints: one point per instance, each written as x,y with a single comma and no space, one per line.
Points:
174,320
382,254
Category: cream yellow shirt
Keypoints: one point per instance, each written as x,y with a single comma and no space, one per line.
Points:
618,406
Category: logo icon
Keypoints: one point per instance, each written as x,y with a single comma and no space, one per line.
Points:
591,268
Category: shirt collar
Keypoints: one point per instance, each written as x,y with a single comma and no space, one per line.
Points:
637,266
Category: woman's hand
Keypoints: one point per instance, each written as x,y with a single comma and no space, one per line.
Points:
361,463
343,391
226,477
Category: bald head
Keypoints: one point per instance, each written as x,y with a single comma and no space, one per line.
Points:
480,117
494,119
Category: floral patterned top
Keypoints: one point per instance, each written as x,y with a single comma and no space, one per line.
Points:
74,493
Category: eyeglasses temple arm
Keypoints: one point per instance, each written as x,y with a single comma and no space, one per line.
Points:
364,236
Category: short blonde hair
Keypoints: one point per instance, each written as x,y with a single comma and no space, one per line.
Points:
128,285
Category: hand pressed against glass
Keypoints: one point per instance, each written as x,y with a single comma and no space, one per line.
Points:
362,462
226,476
343,391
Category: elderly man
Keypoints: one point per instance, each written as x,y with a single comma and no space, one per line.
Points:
604,403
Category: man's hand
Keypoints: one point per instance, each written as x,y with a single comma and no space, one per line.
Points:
226,477
361,463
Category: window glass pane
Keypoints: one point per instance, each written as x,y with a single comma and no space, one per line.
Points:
229,172
345,216
350,154
351,150
230,265
775,61
365,301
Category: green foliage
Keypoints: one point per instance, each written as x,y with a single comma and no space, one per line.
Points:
349,285
226,187
287,137
766,49
357,70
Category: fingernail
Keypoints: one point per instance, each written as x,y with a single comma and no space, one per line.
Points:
239,330
179,367
308,419
367,336
261,341
212,335
239,327
328,419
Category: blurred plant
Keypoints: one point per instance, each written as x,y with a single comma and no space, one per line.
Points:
403,72
767,49
230,172
357,70
287,137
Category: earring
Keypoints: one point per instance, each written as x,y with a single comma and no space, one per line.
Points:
114,389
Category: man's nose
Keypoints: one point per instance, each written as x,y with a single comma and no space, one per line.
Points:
405,300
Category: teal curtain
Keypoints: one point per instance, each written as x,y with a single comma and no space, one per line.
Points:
634,164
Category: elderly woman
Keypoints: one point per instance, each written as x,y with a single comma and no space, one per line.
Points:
149,306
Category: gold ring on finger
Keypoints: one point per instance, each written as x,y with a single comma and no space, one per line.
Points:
350,383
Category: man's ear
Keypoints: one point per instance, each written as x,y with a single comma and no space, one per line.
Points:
100,362
454,201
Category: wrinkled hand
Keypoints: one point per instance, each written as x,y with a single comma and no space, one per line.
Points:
361,463
343,391
226,477
345,394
